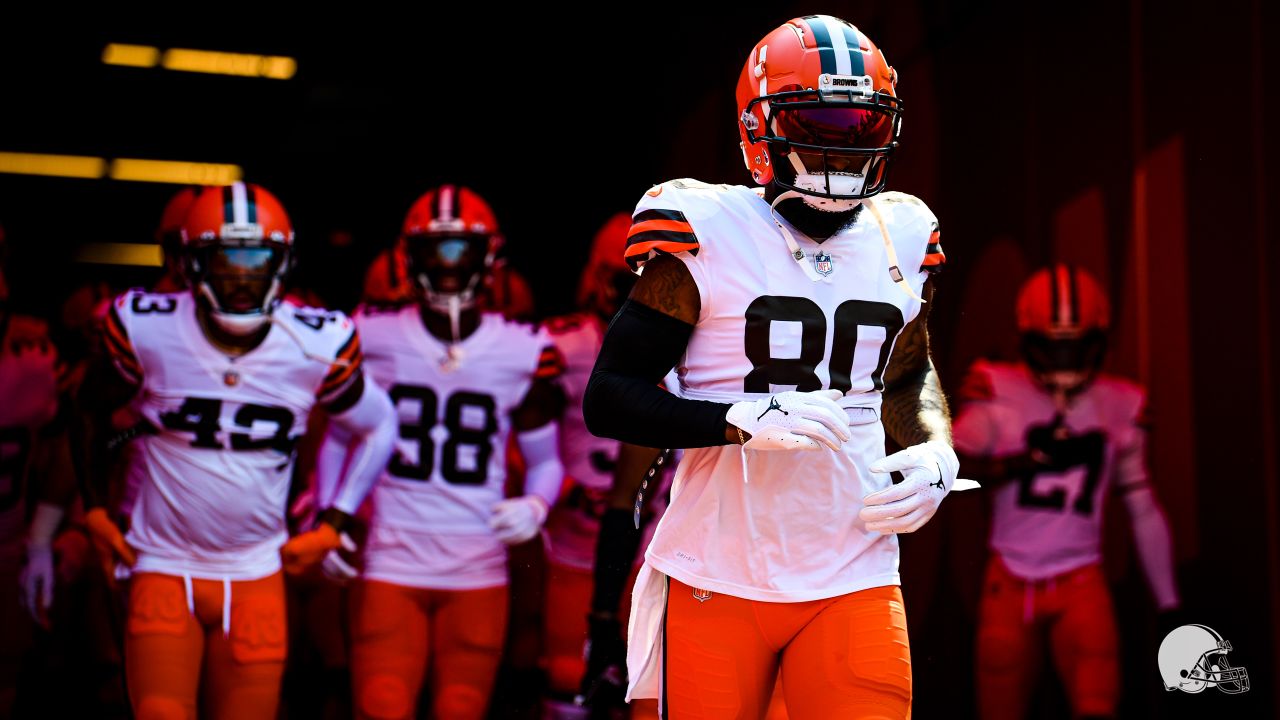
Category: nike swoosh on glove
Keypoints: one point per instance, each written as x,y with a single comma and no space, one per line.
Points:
516,520
928,473
792,421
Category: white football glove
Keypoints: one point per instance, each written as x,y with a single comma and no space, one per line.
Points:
928,473
37,581
335,566
518,519
792,421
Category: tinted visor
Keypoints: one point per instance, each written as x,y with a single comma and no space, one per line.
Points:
836,125
448,261
1045,354
240,277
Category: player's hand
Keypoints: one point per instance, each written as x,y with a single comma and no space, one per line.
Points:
105,532
516,520
335,565
304,550
928,474
792,421
604,683
37,582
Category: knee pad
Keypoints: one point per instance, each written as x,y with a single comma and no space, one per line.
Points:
1000,650
564,673
158,606
385,696
258,630
161,708
460,701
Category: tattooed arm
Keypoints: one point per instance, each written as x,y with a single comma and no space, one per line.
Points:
914,409
644,341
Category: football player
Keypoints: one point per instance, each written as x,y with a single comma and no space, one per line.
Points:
586,578
28,400
432,602
795,318
1058,437
224,375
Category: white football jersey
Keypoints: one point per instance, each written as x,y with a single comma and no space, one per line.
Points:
431,507
217,469
792,532
28,400
1051,522
574,523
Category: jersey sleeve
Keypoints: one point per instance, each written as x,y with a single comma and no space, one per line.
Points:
346,370
1130,435
973,431
934,259
659,225
119,346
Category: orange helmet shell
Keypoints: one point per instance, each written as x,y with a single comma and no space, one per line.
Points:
605,259
237,214
1062,302
175,212
805,54
450,209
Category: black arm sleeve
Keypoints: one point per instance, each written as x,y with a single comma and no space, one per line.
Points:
623,400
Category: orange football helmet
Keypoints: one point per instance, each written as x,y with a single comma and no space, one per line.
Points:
1063,316
237,246
449,240
607,279
818,111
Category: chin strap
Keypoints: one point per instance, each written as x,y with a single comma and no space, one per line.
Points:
796,253
452,305
894,272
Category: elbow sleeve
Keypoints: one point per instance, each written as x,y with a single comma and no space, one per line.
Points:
623,400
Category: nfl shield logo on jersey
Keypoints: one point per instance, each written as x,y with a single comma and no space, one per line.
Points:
822,263
701,595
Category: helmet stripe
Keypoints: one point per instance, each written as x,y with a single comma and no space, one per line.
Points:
447,203
839,44
853,40
1061,285
239,204
822,39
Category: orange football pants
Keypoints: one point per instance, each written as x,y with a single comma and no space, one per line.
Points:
1074,610
564,618
179,646
841,657
399,634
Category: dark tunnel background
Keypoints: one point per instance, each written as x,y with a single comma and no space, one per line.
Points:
1129,137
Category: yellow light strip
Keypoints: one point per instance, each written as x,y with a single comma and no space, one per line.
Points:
137,254
74,166
129,169
143,56
276,67
178,173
